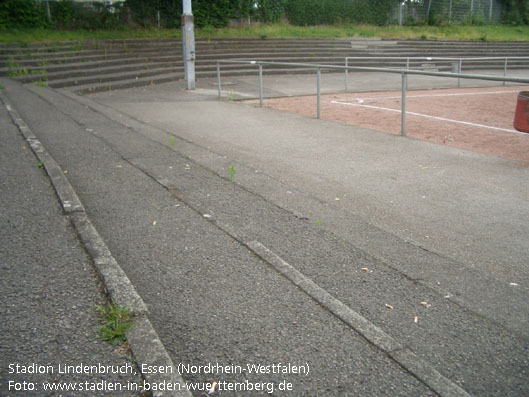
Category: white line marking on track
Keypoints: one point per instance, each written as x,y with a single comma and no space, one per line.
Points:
430,117
440,95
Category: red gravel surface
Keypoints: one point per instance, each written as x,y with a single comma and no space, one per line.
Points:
477,119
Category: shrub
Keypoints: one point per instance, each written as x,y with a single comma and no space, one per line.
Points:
22,14
329,12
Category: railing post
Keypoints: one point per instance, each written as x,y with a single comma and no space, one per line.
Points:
459,71
318,78
403,111
346,74
505,69
218,79
407,68
260,84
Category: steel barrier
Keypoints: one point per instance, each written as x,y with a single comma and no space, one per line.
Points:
454,63
403,72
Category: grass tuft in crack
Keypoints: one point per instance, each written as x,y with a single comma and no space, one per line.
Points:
231,170
117,320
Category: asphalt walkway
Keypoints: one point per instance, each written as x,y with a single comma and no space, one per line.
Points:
49,289
328,248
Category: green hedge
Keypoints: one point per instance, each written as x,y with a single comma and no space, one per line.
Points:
65,14
68,14
515,12
22,14
329,12
215,13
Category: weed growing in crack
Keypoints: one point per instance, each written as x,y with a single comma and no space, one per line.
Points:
117,320
231,170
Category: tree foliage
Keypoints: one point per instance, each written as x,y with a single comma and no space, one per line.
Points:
515,12
65,14
217,13
22,14
329,12
69,14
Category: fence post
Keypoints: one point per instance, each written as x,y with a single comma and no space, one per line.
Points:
260,84
450,13
48,13
318,74
400,14
459,71
218,79
428,11
346,74
407,68
490,12
403,111
505,69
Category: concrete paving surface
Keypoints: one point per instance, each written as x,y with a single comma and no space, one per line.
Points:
49,289
283,255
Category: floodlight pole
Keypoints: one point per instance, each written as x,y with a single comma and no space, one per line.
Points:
188,42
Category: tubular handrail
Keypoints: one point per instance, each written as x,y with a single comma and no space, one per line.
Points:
443,58
459,63
403,72
387,70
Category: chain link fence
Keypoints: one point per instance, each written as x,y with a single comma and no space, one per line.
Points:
434,12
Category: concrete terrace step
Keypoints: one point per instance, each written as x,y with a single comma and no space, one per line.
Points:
95,65
109,78
206,70
441,43
78,72
128,64
161,43
168,77
88,58
268,47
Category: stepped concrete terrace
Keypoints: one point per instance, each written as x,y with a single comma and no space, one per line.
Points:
95,65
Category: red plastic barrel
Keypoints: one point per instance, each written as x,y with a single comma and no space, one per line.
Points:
521,116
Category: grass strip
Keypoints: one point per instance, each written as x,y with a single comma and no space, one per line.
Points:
451,32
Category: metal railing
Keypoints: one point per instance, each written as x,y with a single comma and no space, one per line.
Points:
455,64
403,72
